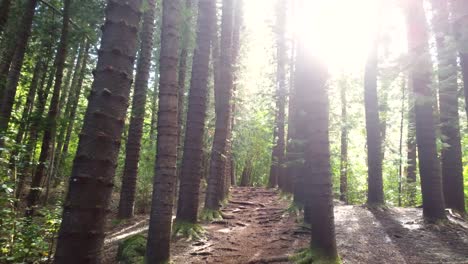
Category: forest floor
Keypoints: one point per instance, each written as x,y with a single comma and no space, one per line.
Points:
258,229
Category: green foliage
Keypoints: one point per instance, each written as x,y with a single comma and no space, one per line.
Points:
132,250
25,240
208,215
187,230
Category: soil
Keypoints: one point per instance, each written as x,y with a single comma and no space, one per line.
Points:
258,229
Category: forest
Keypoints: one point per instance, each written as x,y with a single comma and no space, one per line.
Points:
233,131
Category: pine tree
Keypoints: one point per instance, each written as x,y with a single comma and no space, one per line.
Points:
191,172
81,234
159,234
135,131
420,74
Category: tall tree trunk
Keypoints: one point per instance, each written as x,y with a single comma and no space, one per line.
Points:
451,157
73,108
281,94
11,84
400,145
375,194
135,131
411,166
460,24
4,11
344,145
431,182
289,171
65,104
312,99
81,234
51,122
25,116
36,121
191,172
184,52
159,234
223,95
246,174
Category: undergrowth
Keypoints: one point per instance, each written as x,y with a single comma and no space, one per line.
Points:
187,230
309,256
209,215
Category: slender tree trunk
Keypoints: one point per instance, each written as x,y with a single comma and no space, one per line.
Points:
159,234
185,42
81,234
344,145
51,122
26,115
191,172
11,84
375,194
64,109
135,131
279,148
431,182
291,176
36,120
4,11
312,98
451,157
459,10
411,149
400,146
223,95
73,108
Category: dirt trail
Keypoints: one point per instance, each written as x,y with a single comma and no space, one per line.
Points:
258,230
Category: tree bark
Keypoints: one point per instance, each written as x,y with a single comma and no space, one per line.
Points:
135,131
11,84
431,182
223,95
375,194
159,234
81,234
411,166
191,172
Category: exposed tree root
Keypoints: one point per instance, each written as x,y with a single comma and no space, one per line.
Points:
187,230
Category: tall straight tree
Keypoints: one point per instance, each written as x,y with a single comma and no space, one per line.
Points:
135,131
311,92
9,85
50,129
451,157
191,173
460,24
159,234
184,54
81,234
223,95
420,74
344,145
411,157
375,195
281,56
